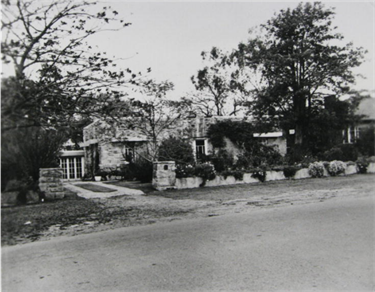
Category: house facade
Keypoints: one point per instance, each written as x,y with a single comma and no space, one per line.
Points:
107,146
365,126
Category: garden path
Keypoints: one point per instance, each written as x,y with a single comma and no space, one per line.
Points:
119,191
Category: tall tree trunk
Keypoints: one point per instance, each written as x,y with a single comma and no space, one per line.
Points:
300,121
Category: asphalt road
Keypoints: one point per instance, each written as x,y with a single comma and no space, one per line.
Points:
311,247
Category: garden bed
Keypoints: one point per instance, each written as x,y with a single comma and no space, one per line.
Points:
248,178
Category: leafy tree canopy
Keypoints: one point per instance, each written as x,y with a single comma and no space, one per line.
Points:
58,75
295,64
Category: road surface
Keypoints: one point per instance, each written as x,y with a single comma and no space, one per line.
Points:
312,247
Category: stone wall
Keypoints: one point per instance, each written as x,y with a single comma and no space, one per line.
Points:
195,182
51,183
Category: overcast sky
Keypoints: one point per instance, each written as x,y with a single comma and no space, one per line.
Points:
170,36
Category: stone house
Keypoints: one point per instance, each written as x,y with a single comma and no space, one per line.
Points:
107,146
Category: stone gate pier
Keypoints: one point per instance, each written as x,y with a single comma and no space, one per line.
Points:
51,183
164,175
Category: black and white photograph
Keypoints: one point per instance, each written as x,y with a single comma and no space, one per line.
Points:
177,146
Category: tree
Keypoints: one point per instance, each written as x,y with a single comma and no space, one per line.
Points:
217,86
154,114
297,63
176,149
58,75
25,151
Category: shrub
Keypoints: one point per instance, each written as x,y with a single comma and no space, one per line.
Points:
290,171
185,170
260,174
316,169
336,167
221,161
343,152
102,173
142,170
298,154
25,151
125,172
362,164
177,150
206,171
237,174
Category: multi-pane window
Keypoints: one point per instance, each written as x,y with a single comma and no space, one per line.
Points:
72,167
351,135
63,162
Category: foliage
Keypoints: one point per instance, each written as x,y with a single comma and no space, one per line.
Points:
154,114
316,169
177,150
102,173
206,171
241,133
184,170
290,171
326,125
236,173
142,170
299,155
260,174
344,152
336,167
259,156
218,87
362,165
221,160
57,73
295,64
366,141
25,151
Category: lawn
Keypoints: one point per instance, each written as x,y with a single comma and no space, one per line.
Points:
28,223
272,188
95,188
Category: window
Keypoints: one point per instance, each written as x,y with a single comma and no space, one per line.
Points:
72,167
352,135
129,152
200,148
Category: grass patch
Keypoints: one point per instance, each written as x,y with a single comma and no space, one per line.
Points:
144,187
95,188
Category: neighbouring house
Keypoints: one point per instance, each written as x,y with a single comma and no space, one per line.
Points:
72,161
107,146
357,130
202,146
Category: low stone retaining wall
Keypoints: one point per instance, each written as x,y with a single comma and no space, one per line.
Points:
195,182
51,183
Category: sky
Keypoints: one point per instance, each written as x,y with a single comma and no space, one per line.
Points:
170,36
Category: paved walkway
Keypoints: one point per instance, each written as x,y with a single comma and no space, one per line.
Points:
119,191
